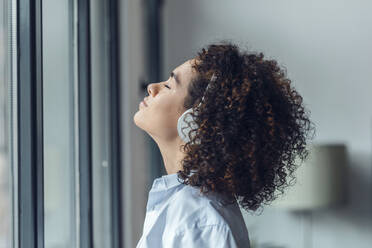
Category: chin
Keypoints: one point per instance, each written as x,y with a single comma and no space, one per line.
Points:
139,121
135,119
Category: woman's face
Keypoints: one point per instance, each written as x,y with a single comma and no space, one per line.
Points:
165,104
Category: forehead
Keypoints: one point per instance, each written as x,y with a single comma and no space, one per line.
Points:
185,72
184,66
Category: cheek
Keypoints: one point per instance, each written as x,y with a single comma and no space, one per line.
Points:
165,114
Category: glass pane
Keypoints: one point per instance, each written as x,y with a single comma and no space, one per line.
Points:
8,137
100,124
59,124
5,182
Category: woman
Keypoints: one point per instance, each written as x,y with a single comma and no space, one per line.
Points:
248,126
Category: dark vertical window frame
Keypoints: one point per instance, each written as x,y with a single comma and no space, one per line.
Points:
85,124
115,133
30,124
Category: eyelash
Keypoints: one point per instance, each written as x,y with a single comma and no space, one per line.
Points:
167,86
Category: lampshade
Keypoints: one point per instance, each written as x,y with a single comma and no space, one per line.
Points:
321,180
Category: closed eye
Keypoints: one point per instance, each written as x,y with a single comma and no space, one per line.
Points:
167,86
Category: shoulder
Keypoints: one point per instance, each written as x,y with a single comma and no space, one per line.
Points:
190,208
206,218
190,205
214,235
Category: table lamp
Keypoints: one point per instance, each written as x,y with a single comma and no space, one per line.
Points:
320,180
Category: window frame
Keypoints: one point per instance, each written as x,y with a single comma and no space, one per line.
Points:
30,124
115,124
85,127
30,146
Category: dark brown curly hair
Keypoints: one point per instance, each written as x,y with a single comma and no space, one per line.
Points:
252,126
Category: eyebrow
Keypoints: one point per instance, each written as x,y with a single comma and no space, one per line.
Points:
172,74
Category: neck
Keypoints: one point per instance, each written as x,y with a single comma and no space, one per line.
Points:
172,154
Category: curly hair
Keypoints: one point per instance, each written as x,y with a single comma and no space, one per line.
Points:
251,126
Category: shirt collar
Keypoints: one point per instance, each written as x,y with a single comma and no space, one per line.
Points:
166,182
165,186
162,189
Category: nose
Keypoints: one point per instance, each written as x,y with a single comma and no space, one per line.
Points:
149,91
152,88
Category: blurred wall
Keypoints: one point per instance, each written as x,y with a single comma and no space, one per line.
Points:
326,48
133,150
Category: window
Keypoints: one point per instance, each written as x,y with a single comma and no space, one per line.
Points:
59,124
5,168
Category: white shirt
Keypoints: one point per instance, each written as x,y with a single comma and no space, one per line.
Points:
178,215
